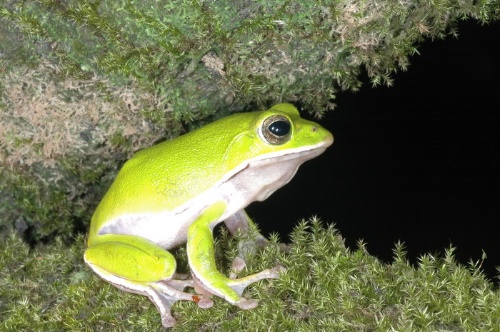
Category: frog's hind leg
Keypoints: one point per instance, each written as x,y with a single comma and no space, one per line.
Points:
207,278
162,293
137,265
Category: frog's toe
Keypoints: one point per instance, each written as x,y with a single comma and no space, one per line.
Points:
205,303
237,266
165,294
247,304
168,321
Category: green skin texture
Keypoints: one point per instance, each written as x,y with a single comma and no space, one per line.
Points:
167,189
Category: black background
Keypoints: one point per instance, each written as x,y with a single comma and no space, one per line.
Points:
417,162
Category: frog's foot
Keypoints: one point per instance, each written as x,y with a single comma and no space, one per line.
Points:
164,294
239,285
202,301
232,289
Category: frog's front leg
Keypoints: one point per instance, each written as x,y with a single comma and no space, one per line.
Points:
240,222
137,265
201,255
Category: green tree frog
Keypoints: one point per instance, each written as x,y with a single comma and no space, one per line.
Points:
177,191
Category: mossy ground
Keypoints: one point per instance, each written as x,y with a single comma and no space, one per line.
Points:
326,287
84,83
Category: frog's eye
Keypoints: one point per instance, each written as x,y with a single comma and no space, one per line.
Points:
276,129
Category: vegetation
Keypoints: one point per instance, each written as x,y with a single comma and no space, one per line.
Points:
326,287
85,83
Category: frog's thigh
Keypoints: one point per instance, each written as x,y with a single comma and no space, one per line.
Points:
130,257
137,265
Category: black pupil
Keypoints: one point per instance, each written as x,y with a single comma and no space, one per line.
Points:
279,128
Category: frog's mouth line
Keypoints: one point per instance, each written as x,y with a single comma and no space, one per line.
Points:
304,154
255,180
310,151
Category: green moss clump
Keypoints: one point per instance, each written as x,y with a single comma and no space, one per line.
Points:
326,287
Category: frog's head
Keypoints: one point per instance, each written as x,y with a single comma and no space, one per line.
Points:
282,129
278,134
269,147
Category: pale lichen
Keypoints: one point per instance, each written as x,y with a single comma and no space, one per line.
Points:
45,118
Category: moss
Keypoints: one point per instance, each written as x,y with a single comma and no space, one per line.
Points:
59,136
85,83
269,50
326,287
